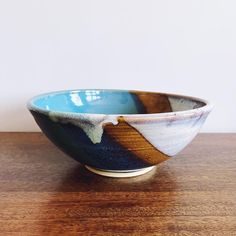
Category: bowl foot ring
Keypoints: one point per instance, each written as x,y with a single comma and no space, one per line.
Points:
120,174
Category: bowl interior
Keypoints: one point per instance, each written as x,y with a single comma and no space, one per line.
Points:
114,102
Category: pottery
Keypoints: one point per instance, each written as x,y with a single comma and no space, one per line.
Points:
119,133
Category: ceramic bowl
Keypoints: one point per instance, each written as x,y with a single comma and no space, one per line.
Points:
119,133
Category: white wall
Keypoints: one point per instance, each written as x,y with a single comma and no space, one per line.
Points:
182,46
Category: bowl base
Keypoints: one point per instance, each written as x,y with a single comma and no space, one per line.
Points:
120,174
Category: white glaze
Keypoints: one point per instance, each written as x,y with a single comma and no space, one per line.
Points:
92,126
169,137
182,104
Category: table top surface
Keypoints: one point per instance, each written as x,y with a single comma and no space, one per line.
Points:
44,192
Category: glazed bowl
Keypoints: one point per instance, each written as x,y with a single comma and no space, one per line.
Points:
119,133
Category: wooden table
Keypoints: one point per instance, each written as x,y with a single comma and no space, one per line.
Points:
44,192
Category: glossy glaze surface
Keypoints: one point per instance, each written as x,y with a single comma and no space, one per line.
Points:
119,130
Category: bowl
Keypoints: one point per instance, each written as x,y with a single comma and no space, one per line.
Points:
119,133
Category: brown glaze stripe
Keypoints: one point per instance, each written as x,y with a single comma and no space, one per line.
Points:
130,139
157,103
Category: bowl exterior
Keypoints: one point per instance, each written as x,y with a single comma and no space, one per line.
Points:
120,143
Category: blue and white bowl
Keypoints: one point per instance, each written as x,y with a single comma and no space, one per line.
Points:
119,133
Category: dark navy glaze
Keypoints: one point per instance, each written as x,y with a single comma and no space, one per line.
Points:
72,140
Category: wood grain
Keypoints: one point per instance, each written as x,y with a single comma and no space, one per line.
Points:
44,192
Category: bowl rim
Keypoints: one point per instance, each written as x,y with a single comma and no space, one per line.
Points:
205,109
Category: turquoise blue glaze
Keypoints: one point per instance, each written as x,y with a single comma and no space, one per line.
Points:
89,101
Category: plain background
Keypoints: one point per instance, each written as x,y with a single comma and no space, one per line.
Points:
183,46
